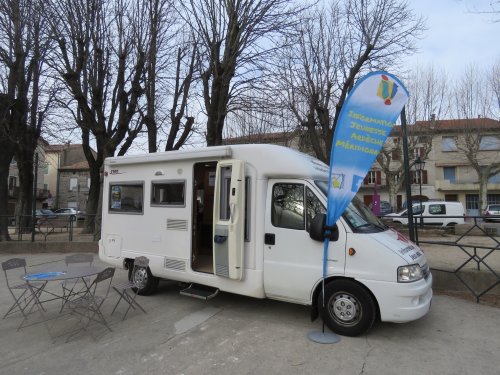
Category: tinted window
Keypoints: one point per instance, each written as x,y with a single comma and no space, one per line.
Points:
437,209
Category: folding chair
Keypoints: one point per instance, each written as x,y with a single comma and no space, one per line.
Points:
88,306
69,286
128,290
24,293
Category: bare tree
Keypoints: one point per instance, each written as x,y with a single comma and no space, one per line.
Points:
23,48
101,58
473,104
494,79
234,39
334,46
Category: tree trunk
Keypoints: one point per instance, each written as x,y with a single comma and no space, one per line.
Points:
483,190
4,194
25,198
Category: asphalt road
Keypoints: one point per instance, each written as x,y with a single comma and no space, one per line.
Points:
239,335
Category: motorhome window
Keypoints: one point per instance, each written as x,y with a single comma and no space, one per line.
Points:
313,207
126,198
359,217
437,209
168,193
288,206
225,181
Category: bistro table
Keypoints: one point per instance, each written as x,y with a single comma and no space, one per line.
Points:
71,273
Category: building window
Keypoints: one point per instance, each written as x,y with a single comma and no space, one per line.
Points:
494,179
168,193
489,142
73,184
415,177
126,198
373,177
493,198
450,174
449,144
472,202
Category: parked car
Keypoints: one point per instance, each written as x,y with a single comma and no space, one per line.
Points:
492,210
434,213
45,213
74,213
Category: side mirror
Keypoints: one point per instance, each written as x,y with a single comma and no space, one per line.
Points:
318,228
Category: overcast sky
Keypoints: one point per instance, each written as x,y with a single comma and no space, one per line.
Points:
457,37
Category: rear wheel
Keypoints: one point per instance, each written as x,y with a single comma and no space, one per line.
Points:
349,308
143,278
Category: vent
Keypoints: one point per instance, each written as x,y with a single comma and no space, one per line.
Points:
176,224
222,270
175,264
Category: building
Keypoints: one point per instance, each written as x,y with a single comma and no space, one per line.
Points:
448,174
67,176
41,188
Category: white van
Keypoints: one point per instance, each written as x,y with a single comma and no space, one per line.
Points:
248,219
433,213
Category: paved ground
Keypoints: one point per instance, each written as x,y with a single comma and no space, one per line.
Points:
238,335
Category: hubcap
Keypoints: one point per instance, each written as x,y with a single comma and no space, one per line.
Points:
140,277
344,308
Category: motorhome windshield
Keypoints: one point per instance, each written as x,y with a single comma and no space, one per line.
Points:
357,215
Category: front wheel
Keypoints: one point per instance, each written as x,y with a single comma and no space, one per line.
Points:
349,309
145,281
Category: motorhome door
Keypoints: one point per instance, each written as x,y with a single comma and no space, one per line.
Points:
229,217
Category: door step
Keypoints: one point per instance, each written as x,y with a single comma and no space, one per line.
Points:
200,291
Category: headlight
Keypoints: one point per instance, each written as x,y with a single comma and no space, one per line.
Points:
408,274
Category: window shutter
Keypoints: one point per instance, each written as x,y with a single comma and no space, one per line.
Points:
379,178
421,152
424,177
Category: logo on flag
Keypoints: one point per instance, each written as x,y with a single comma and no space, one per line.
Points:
387,89
338,181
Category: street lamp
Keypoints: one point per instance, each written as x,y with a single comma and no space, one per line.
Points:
419,167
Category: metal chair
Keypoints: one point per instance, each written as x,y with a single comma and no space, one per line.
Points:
128,290
69,286
25,294
88,306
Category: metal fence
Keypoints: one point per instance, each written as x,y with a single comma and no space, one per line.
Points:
471,250
60,228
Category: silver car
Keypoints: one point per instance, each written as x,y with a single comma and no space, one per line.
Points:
492,210
72,212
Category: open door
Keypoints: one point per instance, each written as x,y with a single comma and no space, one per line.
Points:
229,219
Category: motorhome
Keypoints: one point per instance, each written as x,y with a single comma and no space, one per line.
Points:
433,213
249,219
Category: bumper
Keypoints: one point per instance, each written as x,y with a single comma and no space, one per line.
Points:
402,302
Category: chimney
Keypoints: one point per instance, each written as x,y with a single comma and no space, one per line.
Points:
433,121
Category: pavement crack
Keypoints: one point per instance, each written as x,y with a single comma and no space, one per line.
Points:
366,356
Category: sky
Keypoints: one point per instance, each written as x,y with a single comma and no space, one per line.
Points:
456,36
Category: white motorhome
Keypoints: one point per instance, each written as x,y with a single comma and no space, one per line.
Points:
433,213
248,219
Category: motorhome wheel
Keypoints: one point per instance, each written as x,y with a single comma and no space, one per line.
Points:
349,308
144,279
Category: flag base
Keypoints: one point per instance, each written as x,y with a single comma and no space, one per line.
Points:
323,337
